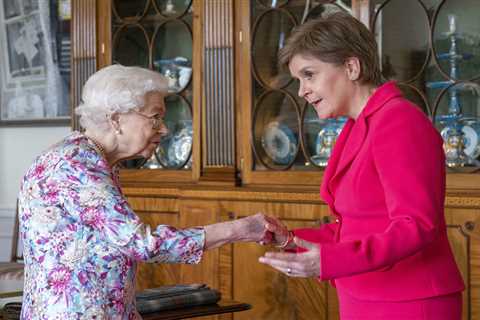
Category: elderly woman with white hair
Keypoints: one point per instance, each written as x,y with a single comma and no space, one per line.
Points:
81,238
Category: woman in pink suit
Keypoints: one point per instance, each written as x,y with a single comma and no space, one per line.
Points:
387,252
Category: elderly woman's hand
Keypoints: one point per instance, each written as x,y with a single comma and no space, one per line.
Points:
305,264
279,232
252,228
274,231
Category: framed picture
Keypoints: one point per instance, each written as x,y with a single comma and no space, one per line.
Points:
11,9
25,48
29,6
34,64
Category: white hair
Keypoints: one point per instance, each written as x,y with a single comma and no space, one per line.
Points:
116,89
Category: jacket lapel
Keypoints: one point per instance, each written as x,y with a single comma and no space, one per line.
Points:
333,162
356,132
356,137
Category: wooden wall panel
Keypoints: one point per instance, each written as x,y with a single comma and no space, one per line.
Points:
236,272
460,245
104,32
199,213
84,50
465,242
274,295
218,82
151,275
155,211
475,278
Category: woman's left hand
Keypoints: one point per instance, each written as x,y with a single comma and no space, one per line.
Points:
304,264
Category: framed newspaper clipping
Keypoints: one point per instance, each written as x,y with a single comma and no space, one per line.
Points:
34,62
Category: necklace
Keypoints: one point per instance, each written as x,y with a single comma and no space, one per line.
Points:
99,147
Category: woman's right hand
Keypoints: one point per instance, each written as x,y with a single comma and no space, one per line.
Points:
249,229
255,228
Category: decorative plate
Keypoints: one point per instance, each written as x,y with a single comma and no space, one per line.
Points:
179,147
279,143
472,146
324,146
325,141
471,134
174,149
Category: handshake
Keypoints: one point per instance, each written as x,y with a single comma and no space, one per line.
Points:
258,228
267,230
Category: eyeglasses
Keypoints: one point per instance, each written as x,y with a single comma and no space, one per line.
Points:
157,119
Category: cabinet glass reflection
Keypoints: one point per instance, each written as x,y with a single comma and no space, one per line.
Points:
157,34
287,135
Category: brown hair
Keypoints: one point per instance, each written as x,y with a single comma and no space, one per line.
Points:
334,39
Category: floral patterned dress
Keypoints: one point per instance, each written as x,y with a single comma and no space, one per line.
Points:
82,239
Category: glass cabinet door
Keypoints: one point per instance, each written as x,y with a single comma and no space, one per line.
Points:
435,57
157,34
286,132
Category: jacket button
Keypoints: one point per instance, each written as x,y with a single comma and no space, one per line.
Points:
337,220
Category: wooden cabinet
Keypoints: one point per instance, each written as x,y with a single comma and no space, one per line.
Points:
235,269
229,179
463,218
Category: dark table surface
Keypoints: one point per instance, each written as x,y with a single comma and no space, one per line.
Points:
199,311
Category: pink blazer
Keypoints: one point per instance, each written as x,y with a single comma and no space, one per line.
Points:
385,185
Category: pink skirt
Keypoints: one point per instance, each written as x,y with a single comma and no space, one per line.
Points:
447,307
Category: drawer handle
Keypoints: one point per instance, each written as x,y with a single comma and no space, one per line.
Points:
469,225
